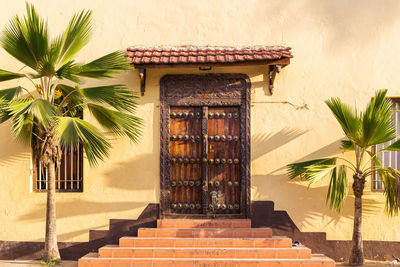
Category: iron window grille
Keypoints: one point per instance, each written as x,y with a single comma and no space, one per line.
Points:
389,158
69,175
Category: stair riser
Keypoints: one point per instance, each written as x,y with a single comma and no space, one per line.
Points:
292,253
201,263
199,243
206,233
166,223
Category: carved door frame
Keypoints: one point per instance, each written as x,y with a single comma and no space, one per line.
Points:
205,90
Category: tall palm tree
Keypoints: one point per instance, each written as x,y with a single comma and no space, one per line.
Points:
46,118
363,130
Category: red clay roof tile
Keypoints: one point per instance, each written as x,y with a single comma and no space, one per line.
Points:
208,54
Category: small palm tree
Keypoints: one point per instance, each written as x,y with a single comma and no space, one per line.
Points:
363,131
47,117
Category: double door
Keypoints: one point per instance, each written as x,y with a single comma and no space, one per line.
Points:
204,160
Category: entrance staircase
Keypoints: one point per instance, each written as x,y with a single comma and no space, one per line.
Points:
204,243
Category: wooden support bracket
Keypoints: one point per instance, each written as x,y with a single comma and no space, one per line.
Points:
142,76
273,70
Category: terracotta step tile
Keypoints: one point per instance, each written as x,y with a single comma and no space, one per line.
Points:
289,263
205,243
107,262
143,253
183,242
246,253
266,254
203,223
206,233
224,243
185,253
112,251
274,242
120,263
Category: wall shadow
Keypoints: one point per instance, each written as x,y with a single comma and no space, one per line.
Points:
262,144
265,215
295,193
118,228
16,154
131,174
77,207
329,150
264,83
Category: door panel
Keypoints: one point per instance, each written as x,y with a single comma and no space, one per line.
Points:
205,150
185,166
224,185
198,93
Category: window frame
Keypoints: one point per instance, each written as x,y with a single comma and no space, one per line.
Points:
395,100
374,175
80,170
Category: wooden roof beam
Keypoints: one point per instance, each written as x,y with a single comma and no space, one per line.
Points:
283,62
274,67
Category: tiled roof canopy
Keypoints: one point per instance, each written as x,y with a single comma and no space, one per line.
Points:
160,55
204,57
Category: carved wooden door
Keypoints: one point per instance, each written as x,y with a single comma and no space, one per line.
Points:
205,146
204,160
223,154
186,164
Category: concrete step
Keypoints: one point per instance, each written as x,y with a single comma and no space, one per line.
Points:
151,242
92,260
113,251
203,223
207,232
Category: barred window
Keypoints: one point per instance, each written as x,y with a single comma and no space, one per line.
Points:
69,176
388,159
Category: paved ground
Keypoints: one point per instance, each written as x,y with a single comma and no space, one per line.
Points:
18,263
368,264
75,264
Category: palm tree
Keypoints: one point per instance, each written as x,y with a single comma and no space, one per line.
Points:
46,118
363,130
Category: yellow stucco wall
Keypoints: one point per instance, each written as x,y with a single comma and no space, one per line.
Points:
341,48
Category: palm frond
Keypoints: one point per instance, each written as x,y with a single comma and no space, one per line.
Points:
7,75
117,122
22,127
317,172
53,55
347,118
338,188
42,110
378,124
106,66
10,93
68,71
72,131
375,160
347,145
4,113
391,181
7,95
26,39
312,170
36,33
117,96
76,36
14,42
393,147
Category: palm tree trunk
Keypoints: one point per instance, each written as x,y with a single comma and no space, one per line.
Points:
51,247
357,254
